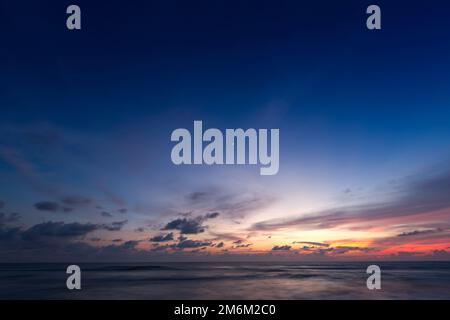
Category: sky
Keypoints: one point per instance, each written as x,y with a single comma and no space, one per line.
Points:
87,115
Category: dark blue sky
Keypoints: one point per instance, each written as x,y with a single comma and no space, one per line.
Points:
90,112
225,58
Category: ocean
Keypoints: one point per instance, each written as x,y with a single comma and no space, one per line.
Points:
232,280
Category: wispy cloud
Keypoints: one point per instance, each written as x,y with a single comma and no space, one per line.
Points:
281,248
190,225
418,195
162,238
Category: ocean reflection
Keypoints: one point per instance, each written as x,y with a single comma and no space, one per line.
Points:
400,280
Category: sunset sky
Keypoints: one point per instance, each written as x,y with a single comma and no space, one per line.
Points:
86,118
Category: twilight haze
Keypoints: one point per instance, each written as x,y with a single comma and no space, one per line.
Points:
86,120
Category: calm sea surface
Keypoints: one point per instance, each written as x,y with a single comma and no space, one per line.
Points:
400,280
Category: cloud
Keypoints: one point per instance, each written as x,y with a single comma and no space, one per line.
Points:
130,244
76,200
26,169
62,246
182,244
190,225
59,230
9,218
162,238
51,206
315,244
281,248
243,245
211,215
66,230
140,229
42,136
115,226
192,244
8,234
418,232
112,197
186,226
312,251
117,240
345,249
225,236
57,241
106,214
2,204
197,196
220,245
420,194
441,254
237,203
415,238
47,206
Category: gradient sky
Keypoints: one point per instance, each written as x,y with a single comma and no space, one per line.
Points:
86,118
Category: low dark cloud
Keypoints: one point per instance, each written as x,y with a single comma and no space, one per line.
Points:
243,245
47,206
59,229
2,204
115,226
112,197
26,169
431,235
162,238
346,249
314,244
67,230
55,240
211,215
106,214
182,244
117,240
8,234
9,218
54,243
76,200
418,232
192,244
281,248
186,226
190,225
123,210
